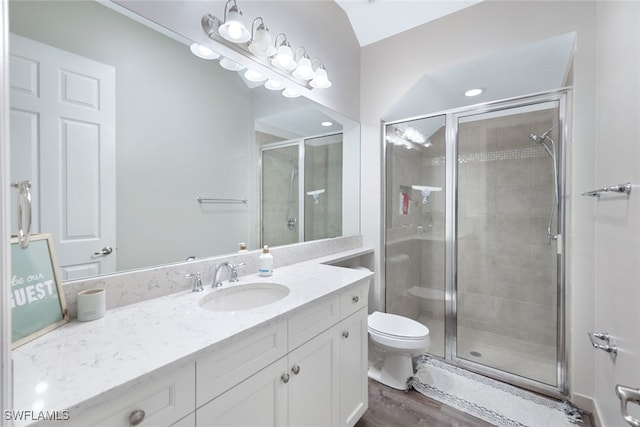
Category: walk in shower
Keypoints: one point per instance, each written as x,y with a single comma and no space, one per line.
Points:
474,236
302,190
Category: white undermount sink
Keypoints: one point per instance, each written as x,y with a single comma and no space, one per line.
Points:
243,297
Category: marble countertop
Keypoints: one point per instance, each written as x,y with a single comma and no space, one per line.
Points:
74,366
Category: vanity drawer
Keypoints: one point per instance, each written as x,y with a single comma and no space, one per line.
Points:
159,401
354,298
238,360
313,320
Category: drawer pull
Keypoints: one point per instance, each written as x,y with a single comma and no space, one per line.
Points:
355,299
295,369
136,417
345,334
284,378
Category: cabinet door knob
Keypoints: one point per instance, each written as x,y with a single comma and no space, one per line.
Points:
284,378
136,417
345,334
355,299
295,369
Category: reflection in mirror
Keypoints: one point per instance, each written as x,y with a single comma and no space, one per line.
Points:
141,129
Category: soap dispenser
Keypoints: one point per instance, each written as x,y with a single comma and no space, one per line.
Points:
265,262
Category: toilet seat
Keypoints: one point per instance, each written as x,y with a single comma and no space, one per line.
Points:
394,326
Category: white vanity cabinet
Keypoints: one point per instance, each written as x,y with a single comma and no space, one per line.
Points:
157,401
321,381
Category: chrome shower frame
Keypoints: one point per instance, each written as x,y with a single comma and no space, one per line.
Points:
563,97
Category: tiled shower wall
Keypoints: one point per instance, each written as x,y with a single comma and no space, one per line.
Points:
506,271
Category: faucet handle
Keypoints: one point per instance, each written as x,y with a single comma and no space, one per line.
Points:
234,271
197,282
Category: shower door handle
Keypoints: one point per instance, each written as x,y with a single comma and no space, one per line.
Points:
626,395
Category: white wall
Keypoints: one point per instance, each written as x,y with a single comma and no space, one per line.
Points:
484,29
617,219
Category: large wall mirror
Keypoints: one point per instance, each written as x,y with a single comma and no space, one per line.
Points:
120,129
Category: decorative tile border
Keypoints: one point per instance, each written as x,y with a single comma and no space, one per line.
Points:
518,153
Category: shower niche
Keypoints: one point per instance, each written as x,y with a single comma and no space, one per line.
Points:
476,257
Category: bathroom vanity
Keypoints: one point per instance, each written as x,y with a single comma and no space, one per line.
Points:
300,360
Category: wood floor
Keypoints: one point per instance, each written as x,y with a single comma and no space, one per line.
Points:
396,408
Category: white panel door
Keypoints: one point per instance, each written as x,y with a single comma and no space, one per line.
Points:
63,140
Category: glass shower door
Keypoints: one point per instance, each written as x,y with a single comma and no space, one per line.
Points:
415,224
507,217
323,187
280,195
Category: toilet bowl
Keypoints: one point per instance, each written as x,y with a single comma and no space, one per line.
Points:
393,342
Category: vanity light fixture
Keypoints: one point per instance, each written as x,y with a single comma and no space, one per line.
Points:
409,137
232,29
261,44
290,93
203,52
288,69
283,58
273,85
230,65
254,76
303,70
320,79
473,92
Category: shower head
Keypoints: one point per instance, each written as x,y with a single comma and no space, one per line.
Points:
540,139
537,139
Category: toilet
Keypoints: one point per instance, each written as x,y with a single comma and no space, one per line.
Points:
393,342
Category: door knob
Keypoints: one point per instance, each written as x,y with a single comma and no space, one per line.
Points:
104,252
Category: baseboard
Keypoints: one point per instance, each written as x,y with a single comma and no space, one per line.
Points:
586,403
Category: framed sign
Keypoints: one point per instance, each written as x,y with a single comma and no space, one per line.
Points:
37,299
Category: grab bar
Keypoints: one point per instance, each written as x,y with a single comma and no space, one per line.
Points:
620,188
205,200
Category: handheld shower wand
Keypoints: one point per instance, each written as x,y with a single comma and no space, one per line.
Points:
553,153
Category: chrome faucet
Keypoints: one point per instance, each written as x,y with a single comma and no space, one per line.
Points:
233,273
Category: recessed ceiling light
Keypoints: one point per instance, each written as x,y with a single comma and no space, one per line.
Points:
473,92
326,124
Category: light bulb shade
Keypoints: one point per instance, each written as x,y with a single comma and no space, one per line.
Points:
290,93
233,29
261,45
254,76
203,51
320,80
284,58
230,65
273,85
304,71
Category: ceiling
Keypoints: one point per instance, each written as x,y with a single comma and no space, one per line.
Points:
374,20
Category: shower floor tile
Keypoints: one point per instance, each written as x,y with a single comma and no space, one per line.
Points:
519,357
